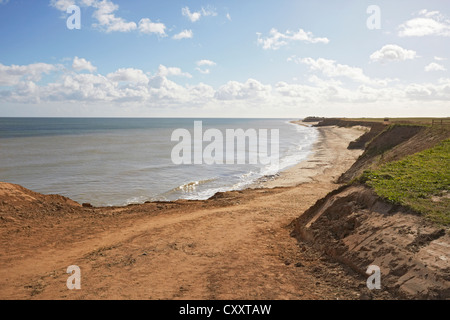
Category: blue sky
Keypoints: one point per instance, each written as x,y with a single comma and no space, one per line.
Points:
251,58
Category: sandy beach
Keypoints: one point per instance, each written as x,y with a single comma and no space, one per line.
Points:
328,159
236,245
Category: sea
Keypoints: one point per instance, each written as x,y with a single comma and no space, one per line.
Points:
121,161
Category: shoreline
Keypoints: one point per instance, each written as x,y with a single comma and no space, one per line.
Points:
330,146
235,245
320,159
311,239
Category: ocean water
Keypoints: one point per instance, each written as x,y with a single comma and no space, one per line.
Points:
108,162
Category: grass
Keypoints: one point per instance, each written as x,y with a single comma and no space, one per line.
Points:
420,182
407,121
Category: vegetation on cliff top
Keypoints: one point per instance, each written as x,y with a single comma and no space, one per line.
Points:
420,181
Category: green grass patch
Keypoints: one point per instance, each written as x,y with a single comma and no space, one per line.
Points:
407,121
420,182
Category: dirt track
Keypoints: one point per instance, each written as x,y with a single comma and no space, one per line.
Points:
234,246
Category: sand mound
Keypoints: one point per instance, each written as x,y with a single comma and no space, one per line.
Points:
15,199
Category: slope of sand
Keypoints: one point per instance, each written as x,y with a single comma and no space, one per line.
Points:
236,245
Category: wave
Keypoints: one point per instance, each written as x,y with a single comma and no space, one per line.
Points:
186,188
298,150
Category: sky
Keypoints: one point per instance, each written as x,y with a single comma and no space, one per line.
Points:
224,58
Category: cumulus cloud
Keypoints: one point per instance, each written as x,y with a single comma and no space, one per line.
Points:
251,89
332,69
172,71
392,52
148,27
62,5
204,63
104,14
12,75
427,23
80,87
161,89
276,39
195,16
185,34
203,71
108,21
300,92
435,67
128,75
80,64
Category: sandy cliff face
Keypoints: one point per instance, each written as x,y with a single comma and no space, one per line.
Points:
357,228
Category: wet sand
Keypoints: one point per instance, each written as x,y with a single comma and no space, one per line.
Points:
327,160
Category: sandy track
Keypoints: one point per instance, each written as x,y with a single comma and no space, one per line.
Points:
237,246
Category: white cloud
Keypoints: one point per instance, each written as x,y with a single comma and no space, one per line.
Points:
185,34
433,66
251,89
80,64
12,75
147,26
428,23
202,91
61,5
299,92
228,17
429,91
276,39
172,71
205,63
107,19
209,11
392,52
203,71
80,87
332,69
195,16
439,58
128,75
126,87
105,15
